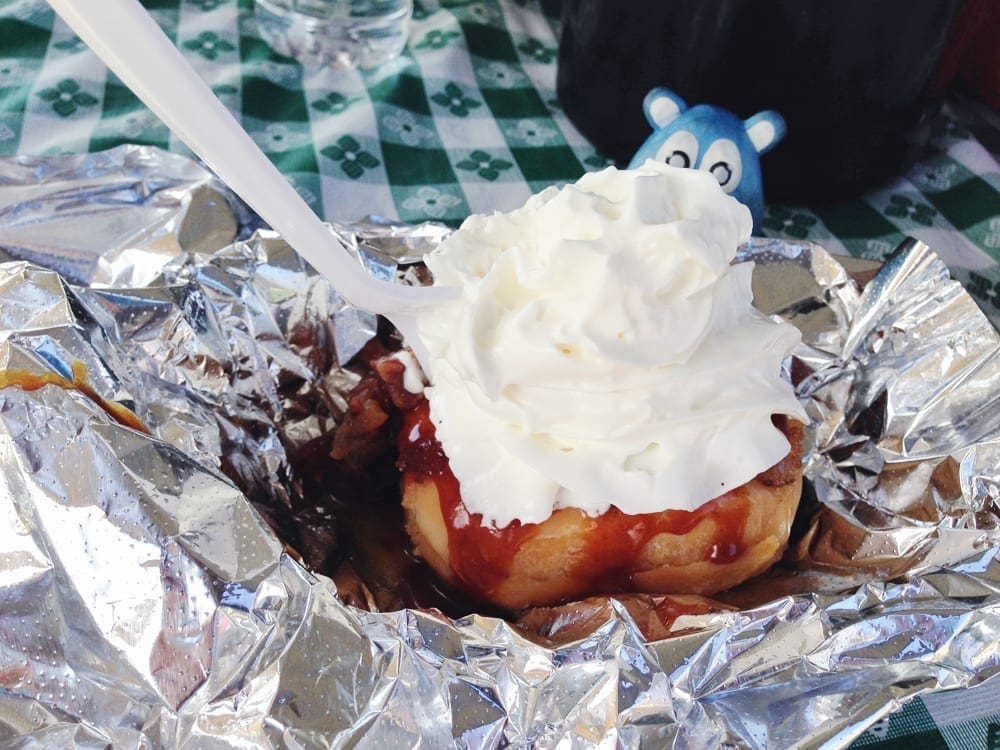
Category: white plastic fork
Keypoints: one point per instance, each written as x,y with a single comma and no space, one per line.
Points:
128,40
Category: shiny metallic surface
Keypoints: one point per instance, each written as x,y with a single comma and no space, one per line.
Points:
113,217
144,602
905,419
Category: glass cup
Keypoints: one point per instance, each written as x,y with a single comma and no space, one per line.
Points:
339,33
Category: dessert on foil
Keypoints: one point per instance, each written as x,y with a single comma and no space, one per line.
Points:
606,411
148,604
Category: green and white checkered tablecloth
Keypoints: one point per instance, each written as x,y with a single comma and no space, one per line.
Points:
465,121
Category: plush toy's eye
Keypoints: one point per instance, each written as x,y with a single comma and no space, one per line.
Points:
680,149
722,159
679,159
722,172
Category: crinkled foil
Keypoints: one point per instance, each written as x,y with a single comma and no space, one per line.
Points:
144,602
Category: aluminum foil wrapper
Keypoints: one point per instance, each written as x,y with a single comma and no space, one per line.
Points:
166,368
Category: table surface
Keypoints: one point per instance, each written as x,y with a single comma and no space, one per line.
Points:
467,120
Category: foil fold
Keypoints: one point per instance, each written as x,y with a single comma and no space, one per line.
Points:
162,386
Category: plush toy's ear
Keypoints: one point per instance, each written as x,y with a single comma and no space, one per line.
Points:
662,106
765,129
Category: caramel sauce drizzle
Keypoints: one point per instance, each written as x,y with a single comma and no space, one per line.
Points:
31,381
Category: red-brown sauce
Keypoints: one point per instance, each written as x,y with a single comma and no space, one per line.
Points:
481,555
30,381
670,609
788,469
615,539
420,453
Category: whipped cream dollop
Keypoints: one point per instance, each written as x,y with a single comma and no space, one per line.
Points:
604,350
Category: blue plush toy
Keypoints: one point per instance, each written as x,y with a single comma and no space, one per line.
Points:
713,139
